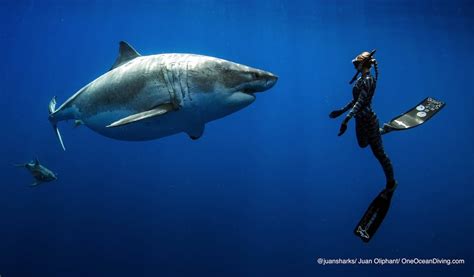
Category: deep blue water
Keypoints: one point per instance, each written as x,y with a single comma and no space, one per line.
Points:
265,191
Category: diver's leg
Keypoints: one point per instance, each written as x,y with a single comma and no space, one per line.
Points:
375,141
361,133
378,209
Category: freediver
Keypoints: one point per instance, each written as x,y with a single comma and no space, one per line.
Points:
367,123
368,132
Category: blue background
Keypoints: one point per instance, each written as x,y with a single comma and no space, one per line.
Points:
266,190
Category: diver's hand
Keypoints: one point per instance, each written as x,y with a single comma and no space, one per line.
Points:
335,113
343,128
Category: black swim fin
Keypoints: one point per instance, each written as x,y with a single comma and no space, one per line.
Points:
416,116
374,216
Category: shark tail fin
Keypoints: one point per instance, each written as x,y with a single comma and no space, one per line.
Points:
52,110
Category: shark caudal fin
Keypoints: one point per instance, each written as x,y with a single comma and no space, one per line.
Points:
52,110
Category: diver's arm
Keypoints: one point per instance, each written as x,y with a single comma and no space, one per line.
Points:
361,102
337,113
348,106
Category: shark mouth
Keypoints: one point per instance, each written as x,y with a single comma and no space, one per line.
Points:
249,91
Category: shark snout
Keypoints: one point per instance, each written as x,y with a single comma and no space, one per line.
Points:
263,80
271,80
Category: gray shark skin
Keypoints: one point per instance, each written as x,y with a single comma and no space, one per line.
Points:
150,97
39,172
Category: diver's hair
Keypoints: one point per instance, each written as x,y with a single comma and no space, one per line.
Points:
366,58
376,69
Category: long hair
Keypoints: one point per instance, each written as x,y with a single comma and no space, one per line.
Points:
376,68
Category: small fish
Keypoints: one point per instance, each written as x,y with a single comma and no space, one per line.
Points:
39,172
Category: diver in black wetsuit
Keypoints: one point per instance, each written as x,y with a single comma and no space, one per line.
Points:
368,133
367,124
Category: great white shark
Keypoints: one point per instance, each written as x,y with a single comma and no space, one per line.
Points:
150,97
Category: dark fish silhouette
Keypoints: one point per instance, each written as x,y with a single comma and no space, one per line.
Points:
39,172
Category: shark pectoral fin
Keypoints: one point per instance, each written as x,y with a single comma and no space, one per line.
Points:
196,131
160,110
34,184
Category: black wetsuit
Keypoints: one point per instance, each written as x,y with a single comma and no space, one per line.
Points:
367,123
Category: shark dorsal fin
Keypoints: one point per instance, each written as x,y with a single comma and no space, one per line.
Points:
37,163
126,54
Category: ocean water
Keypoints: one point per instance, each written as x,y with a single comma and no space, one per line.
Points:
266,191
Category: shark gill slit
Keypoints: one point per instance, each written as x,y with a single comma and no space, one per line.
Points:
169,87
173,83
188,94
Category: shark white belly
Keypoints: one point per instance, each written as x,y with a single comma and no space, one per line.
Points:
147,129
